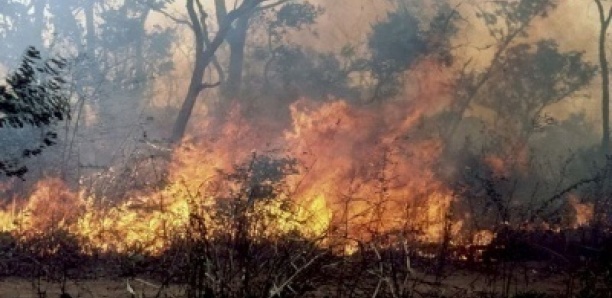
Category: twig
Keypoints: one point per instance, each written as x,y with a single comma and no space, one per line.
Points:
277,290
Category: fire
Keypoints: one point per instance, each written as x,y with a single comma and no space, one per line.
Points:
483,237
375,178
362,173
584,211
51,205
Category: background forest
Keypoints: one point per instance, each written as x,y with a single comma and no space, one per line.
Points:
373,123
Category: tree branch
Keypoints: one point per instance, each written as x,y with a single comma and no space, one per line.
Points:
605,21
214,61
173,18
271,5
195,25
277,290
209,85
563,192
221,11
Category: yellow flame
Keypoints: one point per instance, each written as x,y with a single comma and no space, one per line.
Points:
584,211
358,174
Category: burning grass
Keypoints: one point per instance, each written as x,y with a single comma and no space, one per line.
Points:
338,168
345,198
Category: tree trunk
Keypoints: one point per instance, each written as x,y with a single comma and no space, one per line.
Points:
236,41
92,43
221,11
605,94
605,77
203,58
141,75
195,86
90,29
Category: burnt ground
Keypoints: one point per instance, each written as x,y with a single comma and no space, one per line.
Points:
99,288
459,284
516,264
517,280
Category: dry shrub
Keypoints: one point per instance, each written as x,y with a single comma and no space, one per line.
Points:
52,204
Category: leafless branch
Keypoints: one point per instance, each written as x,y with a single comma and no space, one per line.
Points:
277,290
271,5
173,18
209,85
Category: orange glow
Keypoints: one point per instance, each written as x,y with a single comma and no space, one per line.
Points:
363,172
483,237
584,211
375,179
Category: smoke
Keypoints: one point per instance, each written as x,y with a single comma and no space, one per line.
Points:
308,94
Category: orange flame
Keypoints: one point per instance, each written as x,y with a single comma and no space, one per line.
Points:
364,171
584,211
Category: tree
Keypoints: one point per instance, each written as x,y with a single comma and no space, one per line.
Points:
398,42
506,22
515,167
108,39
126,52
205,49
290,15
604,24
236,39
114,57
291,70
34,97
533,77
395,45
294,71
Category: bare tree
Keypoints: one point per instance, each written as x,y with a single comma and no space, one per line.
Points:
233,27
205,50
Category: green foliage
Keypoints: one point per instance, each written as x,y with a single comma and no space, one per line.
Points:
527,78
308,73
442,28
34,97
402,39
130,54
508,19
396,43
159,47
291,70
533,76
122,50
296,16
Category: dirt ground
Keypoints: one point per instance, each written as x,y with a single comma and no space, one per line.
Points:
460,284
20,288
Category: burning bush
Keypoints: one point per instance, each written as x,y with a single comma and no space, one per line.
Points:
52,205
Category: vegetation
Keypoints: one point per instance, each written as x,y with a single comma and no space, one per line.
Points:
264,148
34,98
